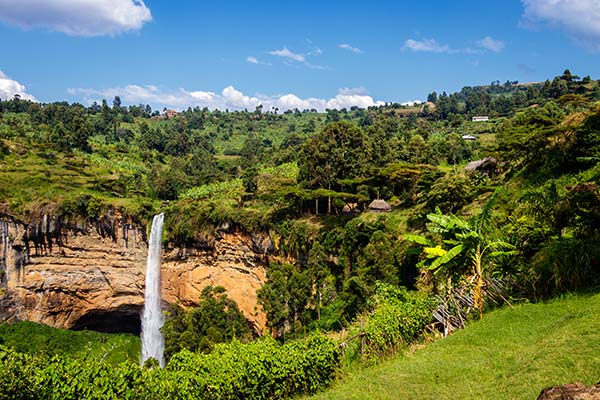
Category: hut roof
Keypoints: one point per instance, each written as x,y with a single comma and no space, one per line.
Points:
473,165
380,205
484,163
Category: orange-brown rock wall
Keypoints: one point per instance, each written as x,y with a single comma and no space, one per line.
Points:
67,275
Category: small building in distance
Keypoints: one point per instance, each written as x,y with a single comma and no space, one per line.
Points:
380,206
469,137
170,113
481,118
488,166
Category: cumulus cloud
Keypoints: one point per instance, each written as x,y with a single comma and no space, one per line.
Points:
230,98
9,88
580,19
491,44
346,46
426,45
77,17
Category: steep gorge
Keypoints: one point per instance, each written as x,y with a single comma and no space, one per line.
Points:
90,275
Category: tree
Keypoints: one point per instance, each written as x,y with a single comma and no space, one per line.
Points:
417,148
568,77
340,151
216,319
117,104
285,297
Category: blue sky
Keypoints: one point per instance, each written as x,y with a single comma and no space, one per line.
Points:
310,54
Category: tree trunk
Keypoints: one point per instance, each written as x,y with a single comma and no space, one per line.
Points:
329,201
478,291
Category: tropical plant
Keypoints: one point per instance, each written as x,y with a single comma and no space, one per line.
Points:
470,239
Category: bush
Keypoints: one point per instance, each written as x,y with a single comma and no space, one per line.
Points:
398,317
258,370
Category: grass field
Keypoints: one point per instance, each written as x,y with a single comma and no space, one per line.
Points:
510,354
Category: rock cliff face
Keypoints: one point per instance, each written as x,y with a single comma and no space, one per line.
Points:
91,275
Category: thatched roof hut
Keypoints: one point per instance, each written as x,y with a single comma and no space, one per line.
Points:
488,166
380,206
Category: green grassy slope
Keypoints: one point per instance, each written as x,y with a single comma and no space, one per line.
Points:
510,354
29,337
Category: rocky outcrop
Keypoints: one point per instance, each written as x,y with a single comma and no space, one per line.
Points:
91,275
237,263
571,391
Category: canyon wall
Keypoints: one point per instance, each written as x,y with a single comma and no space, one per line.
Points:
90,275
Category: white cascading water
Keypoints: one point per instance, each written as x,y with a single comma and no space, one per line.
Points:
153,343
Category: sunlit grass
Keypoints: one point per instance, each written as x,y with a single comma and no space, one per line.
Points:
510,354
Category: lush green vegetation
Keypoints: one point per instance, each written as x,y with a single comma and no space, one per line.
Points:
31,338
509,354
523,226
216,319
258,370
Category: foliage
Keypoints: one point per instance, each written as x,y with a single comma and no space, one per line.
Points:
340,151
258,370
459,237
31,338
215,319
285,298
512,353
398,317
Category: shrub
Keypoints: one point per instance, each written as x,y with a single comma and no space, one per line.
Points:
259,370
398,317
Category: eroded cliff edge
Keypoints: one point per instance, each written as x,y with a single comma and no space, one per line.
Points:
90,274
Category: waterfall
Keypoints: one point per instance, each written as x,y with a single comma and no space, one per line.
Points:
152,319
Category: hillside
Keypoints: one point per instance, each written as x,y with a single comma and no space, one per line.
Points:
510,354
368,223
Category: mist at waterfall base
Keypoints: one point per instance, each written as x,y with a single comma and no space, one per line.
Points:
153,343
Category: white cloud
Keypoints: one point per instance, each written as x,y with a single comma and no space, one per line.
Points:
77,17
433,46
491,44
353,91
254,60
229,98
579,18
9,88
426,45
346,46
286,53
290,57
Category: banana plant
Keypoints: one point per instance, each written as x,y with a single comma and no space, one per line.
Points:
472,239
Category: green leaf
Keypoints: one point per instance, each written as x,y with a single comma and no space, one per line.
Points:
434,251
418,239
446,258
